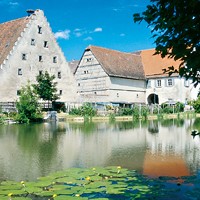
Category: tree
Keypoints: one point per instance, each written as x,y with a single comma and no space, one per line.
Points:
46,87
175,26
27,106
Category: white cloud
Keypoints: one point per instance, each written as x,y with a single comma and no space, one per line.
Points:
88,38
13,3
62,34
79,32
98,29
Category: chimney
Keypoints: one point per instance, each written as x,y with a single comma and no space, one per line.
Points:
30,12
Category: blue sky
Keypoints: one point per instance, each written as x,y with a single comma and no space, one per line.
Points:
80,23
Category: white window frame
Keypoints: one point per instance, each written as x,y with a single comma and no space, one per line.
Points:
170,82
158,83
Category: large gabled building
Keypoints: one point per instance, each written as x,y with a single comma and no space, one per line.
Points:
109,76
27,48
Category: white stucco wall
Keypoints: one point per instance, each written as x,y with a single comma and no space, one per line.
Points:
30,67
181,90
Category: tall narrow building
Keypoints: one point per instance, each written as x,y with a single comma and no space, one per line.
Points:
27,48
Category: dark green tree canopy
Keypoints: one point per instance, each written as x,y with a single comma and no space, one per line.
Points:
46,87
175,26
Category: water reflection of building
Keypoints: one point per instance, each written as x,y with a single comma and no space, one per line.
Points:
172,151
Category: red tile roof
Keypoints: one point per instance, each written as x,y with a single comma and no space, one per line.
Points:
154,64
116,63
9,33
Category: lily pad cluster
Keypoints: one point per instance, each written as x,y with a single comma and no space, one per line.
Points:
95,183
76,183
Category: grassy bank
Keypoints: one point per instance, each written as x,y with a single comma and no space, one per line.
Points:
66,117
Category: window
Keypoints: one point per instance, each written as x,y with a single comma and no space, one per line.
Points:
18,92
55,59
39,29
24,56
169,82
59,75
95,93
148,83
158,83
19,71
79,84
88,59
40,72
40,59
60,92
33,42
117,94
45,44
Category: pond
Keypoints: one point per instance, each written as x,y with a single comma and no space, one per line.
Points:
153,148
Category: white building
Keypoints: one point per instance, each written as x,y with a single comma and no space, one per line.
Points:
27,48
161,87
110,76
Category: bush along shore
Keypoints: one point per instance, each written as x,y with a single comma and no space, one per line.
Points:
100,184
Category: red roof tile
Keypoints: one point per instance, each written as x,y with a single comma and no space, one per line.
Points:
9,33
154,64
116,63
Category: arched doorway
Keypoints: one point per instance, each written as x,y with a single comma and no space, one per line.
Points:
153,99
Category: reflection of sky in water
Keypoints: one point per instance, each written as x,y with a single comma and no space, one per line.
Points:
153,148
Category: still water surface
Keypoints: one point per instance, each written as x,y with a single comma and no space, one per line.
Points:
153,148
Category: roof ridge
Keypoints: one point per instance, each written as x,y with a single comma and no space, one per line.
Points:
90,46
13,20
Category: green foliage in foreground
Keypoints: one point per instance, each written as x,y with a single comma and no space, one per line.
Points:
98,183
27,106
85,110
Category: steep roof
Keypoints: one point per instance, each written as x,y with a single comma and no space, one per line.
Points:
154,64
73,65
9,33
116,63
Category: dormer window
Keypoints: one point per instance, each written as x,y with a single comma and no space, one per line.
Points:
39,29
45,44
24,56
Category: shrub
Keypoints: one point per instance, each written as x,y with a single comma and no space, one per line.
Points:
85,110
136,114
126,111
196,105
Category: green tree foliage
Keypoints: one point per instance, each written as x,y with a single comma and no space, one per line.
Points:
196,105
27,106
46,87
175,26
